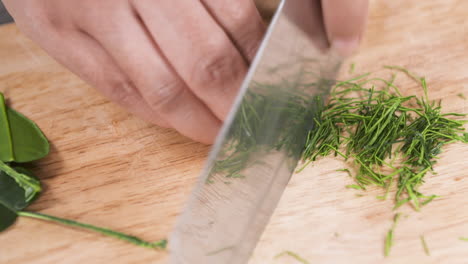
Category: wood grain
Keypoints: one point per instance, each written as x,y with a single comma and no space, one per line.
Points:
324,222
108,168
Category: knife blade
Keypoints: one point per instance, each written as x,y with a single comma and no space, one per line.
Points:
261,141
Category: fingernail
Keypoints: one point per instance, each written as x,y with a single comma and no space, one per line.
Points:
345,47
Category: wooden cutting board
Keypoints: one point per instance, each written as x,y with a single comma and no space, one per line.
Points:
110,169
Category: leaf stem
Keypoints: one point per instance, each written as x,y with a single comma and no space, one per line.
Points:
104,231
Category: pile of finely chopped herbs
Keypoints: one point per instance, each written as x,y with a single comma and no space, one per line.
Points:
387,137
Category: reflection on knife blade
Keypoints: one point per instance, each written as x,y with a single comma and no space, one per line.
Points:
265,104
261,142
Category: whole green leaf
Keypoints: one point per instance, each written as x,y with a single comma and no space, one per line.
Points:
6,144
13,195
30,185
29,143
7,217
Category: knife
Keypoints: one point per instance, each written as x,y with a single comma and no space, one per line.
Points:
261,141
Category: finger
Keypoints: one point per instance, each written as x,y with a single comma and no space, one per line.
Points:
198,49
345,21
122,35
242,21
86,58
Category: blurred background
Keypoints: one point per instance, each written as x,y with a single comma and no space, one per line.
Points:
4,16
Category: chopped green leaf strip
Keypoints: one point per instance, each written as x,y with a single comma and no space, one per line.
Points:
217,251
347,171
354,186
430,199
389,238
293,255
399,203
424,245
388,243
352,67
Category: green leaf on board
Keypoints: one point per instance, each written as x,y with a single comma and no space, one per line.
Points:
21,140
29,143
6,145
12,195
30,185
7,217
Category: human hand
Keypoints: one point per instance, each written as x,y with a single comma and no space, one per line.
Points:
178,63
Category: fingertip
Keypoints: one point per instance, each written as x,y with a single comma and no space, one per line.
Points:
345,22
346,46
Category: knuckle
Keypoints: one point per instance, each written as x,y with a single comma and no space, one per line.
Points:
45,16
215,68
141,3
236,12
248,38
33,12
250,42
163,98
123,92
241,12
91,17
120,91
37,19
